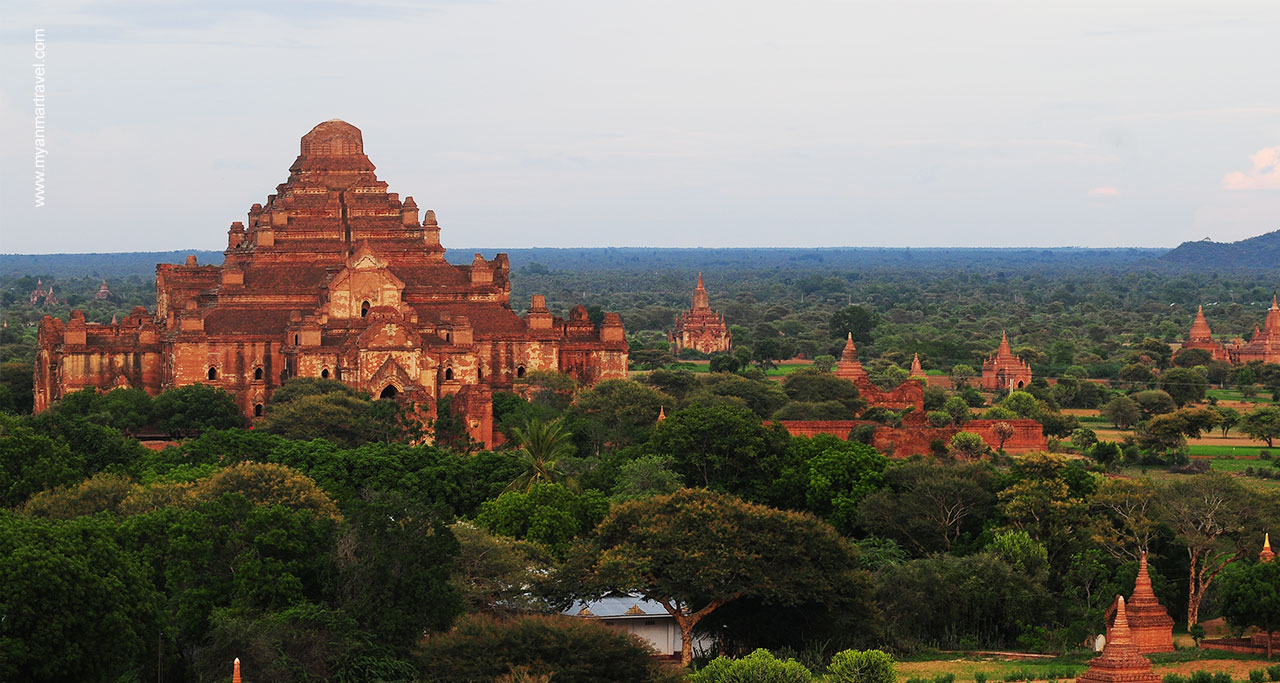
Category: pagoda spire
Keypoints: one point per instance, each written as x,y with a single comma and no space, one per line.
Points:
235,671
1120,661
1004,349
662,413
1266,555
701,301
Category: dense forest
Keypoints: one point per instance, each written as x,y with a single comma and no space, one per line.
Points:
330,542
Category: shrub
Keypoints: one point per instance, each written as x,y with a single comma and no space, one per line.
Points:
1173,678
1201,677
865,666
945,678
758,667
979,677
482,648
1257,675
1222,677
1274,672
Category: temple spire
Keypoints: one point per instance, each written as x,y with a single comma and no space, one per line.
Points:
235,671
1266,555
1004,349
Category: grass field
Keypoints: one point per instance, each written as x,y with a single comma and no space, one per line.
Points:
1068,666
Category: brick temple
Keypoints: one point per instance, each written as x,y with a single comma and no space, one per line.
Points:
1003,370
1263,346
334,277
700,328
1150,625
1120,661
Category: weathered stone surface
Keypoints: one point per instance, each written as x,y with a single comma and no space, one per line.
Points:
333,277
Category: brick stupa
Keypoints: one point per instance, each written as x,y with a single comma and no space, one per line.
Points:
1150,625
1004,370
917,370
701,328
1121,661
1266,555
1201,337
849,367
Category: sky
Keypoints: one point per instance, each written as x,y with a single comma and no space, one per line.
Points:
671,124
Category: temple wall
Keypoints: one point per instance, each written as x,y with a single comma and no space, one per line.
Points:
908,440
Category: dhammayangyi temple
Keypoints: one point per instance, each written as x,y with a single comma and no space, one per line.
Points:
334,277
1263,346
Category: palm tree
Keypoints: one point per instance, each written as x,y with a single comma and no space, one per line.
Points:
541,445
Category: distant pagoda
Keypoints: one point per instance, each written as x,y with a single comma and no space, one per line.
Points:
1121,660
1004,370
700,328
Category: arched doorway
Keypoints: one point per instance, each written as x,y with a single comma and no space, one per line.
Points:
257,374
324,374
364,310
257,410
448,373
389,392
213,373
520,372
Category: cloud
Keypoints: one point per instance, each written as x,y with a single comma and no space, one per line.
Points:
1265,174
1105,191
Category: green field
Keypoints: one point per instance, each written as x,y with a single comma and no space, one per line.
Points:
1263,397
1219,451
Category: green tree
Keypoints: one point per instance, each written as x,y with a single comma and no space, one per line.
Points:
815,386
958,409
695,551
1184,385
1227,418
1155,402
548,514
196,407
723,448
394,558
1263,424
644,476
76,605
16,377
1250,596
538,648
31,462
540,448
968,445
626,410
961,374
1122,412
840,474
1215,517
853,320
930,507
492,574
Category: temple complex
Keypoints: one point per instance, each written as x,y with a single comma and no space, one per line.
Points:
1263,346
333,277
700,328
40,296
1003,370
1149,623
909,394
1121,661
103,292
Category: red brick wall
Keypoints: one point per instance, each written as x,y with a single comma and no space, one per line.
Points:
915,440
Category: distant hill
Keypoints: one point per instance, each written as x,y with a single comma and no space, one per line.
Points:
1262,251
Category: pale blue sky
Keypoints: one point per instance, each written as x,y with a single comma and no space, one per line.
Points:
658,123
